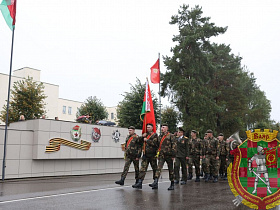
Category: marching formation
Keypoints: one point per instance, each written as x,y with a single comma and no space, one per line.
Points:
209,156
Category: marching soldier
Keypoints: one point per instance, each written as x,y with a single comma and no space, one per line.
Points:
166,153
182,154
195,154
203,162
212,156
150,147
132,154
224,153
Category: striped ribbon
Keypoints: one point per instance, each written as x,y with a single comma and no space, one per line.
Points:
54,144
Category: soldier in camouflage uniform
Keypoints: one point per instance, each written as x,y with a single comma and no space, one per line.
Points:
211,154
166,153
182,154
150,147
132,154
224,153
203,162
195,154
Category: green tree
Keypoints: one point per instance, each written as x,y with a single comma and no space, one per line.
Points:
129,109
170,116
94,108
27,98
206,80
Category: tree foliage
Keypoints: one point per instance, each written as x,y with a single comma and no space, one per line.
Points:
170,116
27,98
129,109
94,108
207,82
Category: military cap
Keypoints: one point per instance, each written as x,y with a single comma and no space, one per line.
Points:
181,129
194,131
221,134
164,124
131,127
150,124
209,131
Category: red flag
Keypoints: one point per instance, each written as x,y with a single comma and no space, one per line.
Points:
148,110
155,73
271,157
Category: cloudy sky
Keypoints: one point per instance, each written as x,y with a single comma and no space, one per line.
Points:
98,48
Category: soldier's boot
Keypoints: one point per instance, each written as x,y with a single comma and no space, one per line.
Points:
225,177
176,181
190,176
171,186
207,177
154,185
138,185
121,181
197,179
136,181
183,182
215,179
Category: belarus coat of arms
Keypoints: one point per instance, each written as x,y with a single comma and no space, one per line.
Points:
254,176
76,133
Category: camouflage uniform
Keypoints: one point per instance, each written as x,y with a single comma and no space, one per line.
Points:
195,151
149,155
182,153
132,152
224,154
211,151
167,151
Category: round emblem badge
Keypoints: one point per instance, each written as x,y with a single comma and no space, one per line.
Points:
76,133
95,134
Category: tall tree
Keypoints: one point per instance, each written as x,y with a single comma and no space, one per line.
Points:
129,109
27,98
171,117
94,108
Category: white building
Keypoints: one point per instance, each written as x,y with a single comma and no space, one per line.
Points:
64,109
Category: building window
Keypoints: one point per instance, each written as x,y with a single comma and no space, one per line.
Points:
69,110
112,116
64,109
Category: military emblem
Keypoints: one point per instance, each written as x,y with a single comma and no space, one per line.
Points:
116,136
76,133
95,134
254,176
155,71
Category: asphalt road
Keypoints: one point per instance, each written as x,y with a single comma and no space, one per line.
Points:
100,192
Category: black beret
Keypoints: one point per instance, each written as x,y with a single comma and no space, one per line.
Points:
131,127
181,129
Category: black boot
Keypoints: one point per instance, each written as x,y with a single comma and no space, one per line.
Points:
225,176
121,181
190,176
171,186
138,185
176,181
215,179
197,179
207,177
135,183
183,182
154,185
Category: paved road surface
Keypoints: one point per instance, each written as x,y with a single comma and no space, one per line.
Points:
100,192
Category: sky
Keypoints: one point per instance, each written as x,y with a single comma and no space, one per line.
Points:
99,48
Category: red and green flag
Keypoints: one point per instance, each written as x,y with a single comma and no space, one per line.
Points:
155,73
8,9
147,113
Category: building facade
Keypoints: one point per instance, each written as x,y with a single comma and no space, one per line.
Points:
64,109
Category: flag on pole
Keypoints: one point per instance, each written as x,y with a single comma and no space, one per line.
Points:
147,113
8,9
155,73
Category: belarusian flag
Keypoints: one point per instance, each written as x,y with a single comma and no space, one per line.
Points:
155,73
8,9
147,113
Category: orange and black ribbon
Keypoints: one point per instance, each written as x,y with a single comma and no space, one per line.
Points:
54,144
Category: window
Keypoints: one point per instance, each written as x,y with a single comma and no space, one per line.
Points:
112,116
64,109
69,110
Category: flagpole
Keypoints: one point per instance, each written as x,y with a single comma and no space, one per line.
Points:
7,114
159,96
